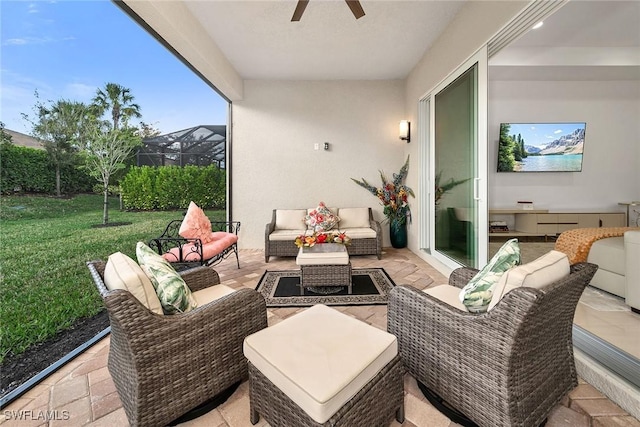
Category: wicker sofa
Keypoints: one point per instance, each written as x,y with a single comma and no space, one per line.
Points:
286,224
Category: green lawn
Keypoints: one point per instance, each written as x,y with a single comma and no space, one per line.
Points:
44,245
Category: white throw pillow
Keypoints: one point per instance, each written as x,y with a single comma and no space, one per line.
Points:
547,269
121,272
353,218
290,219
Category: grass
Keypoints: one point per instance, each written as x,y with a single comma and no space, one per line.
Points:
44,245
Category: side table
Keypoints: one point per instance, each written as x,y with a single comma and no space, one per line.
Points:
324,265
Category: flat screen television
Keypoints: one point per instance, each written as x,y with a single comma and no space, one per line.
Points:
541,147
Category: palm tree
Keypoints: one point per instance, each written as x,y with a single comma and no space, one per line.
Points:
118,100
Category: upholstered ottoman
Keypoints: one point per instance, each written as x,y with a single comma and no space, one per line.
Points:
321,367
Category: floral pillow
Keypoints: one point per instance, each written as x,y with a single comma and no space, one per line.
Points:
477,294
195,224
321,219
173,293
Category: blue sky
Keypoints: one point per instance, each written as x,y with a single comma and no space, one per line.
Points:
67,49
541,134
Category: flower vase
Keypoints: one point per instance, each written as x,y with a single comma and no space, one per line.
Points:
398,234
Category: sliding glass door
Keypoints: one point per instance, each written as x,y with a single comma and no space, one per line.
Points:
457,162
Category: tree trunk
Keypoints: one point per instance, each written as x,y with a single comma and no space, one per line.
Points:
105,212
58,181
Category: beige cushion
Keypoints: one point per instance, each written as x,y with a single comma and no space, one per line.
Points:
323,254
353,218
212,293
320,358
359,233
608,254
121,272
547,269
447,294
286,235
290,219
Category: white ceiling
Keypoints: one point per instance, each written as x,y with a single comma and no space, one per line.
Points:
584,40
261,42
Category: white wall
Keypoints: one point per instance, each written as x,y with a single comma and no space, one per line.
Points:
274,163
611,160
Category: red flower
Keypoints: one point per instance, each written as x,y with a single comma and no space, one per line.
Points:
321,238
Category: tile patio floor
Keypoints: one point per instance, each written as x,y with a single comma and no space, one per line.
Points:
85,390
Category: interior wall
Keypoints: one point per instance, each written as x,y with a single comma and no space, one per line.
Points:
611,167
275,129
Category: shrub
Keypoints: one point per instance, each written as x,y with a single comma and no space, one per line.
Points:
29,170
173,187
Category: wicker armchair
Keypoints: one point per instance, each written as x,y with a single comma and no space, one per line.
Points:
165,366
507,367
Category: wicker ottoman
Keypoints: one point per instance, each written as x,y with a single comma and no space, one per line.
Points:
324,265
321,367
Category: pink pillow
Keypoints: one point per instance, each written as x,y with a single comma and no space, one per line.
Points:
195,224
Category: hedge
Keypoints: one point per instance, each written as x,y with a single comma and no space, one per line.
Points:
173,187
29,170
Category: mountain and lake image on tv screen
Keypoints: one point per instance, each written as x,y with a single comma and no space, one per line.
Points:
541,147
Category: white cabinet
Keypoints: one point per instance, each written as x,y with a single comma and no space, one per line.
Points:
545,223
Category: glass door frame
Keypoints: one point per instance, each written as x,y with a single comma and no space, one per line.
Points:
427,122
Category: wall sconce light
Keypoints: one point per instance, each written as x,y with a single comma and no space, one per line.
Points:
405,130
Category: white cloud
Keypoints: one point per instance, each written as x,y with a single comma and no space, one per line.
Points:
33,8
558,131
79,91
18,97
20,41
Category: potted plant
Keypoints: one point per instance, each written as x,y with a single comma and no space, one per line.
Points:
394,197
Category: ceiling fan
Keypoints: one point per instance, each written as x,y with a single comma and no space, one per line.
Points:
354,5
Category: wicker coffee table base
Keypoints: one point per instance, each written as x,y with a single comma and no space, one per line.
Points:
325,275
375,404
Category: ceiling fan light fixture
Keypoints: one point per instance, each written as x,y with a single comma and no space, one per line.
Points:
354,5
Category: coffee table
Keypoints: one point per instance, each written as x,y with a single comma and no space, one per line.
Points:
324,266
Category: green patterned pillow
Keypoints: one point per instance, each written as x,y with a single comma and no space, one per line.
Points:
173,293
476,295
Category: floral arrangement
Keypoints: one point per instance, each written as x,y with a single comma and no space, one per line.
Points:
309,240
442,189
393,195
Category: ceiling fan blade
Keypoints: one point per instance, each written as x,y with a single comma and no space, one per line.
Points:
356,8
300,7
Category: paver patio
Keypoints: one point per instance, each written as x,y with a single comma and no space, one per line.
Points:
82,393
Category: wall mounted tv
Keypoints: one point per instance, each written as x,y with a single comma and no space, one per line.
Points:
540,147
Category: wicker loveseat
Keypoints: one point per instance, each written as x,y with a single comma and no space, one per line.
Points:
164,366
286,224
507,367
